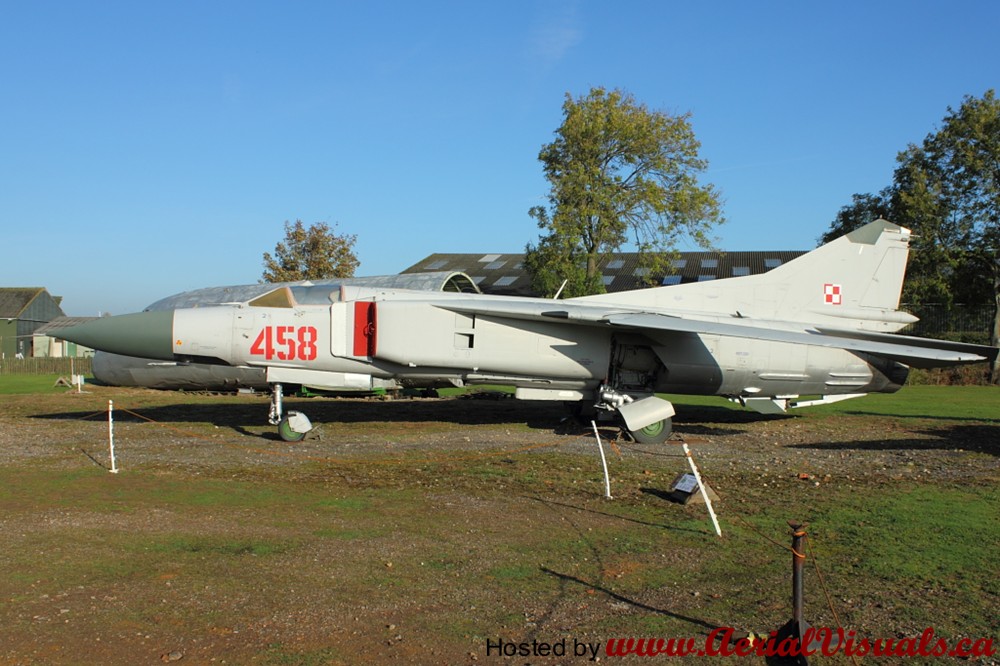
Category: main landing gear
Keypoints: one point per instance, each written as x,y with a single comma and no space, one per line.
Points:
292,426
649,420
654,433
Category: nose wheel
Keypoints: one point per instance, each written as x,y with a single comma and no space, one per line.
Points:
292,426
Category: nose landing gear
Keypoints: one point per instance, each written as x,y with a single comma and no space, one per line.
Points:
292,426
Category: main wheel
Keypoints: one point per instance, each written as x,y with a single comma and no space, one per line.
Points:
655,433
286,432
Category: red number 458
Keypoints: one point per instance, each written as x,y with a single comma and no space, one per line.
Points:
286,343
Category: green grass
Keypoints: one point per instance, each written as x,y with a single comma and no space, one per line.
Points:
928,543
23,384
980,403
927,534
344,503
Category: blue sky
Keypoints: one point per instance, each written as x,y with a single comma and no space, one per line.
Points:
151,148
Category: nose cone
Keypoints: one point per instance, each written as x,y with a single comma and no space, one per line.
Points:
144,334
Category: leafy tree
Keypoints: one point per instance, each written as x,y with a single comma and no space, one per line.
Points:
938,261
619,174
913,202
308,254
967,151
947,191
864,208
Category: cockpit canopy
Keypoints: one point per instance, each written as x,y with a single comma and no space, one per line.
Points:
312,292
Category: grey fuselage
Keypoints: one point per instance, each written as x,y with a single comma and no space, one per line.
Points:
420,339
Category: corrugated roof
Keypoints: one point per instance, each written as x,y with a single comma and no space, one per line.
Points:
60,323
492,273
14,300
505,274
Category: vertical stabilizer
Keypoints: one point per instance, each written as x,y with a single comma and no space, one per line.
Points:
857,276
852,282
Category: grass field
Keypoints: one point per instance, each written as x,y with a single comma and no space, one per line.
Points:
28,384
418,531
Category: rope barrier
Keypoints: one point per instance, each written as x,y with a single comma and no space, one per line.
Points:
767,538
94,415
826,593
753,529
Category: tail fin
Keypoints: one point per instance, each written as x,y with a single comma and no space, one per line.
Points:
852,282
855,277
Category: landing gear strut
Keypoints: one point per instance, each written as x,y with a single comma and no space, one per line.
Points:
293,426
648,420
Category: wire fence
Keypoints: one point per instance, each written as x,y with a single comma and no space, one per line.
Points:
45,366
957,322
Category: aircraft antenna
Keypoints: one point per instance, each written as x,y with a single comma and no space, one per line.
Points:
561,287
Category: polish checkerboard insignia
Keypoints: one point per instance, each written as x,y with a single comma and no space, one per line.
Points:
832,294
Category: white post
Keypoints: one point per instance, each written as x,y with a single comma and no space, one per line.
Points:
111,435
701,486
75,378
604,462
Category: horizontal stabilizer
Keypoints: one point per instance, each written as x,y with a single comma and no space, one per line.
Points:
913,351
985,352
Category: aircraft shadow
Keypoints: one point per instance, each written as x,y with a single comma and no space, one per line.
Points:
539,415
722,414
543,416
707,421
975,438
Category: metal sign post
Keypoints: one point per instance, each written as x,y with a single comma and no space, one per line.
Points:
111,435
704,491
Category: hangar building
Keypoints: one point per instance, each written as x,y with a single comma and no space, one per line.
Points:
505,274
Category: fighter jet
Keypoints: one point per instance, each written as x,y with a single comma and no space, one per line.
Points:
821,325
